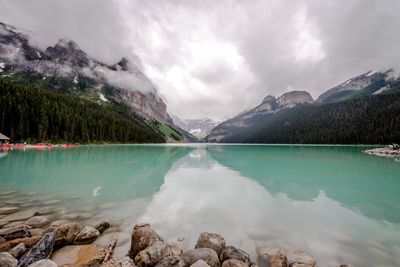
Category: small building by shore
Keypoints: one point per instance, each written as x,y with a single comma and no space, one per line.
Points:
4,139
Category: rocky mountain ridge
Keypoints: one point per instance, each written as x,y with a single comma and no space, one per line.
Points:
122,81
370,83
269,105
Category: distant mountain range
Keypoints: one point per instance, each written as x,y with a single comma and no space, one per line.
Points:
118,103
363,109
200,128
66,68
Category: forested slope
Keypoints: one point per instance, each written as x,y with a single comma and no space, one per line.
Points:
371,119
29,113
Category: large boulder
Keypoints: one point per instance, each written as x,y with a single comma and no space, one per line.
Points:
171,261
211,240
41,250
142,237
206,254
300,258
66,233
86,236
37,221
7,260
44,263
230,252
102,225
156,252
274,257
234,263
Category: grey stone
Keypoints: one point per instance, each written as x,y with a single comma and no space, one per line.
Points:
301,257
15,232
41,250
156,252
102,225
230,252
171,261
234,263
275,257
66,233
37,221
200,263
86,236
7,260
18,250
142,237
211,240
206,254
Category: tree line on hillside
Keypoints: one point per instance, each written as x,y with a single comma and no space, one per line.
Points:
29,113
365,120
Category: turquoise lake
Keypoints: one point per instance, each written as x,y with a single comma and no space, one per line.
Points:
336,202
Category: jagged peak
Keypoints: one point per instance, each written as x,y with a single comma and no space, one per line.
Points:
68,44
123,63
269,98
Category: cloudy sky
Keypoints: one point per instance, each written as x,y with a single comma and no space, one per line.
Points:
216,58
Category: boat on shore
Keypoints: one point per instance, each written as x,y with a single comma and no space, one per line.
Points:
38,146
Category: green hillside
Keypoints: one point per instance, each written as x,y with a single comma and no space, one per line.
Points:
31,113
362,120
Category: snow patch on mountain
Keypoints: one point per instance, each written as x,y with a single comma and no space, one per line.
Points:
197,127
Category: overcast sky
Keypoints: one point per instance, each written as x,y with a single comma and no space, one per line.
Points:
216,58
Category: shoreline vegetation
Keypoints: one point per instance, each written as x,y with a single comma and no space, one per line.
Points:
38,237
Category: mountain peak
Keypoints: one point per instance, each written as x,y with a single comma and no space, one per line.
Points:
293,98
67,51
269,98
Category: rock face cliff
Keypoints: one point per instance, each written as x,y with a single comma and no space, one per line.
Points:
269,105
123,81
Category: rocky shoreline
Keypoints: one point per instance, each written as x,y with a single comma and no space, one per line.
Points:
41,238
384,152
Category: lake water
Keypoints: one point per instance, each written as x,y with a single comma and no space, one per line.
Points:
337,203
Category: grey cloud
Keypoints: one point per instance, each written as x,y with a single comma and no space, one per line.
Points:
216,58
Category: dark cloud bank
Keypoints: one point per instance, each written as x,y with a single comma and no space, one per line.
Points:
216,58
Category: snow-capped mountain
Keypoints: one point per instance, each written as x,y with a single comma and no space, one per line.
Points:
371,82
122,81
197,127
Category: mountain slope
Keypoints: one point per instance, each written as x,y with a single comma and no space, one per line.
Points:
362,85
80,72
268,106
66,68
32,114
363,120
